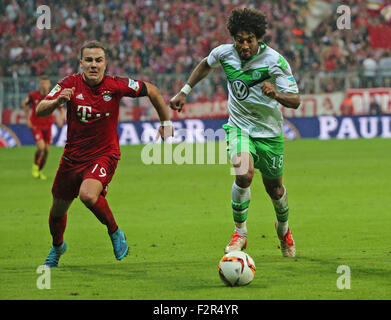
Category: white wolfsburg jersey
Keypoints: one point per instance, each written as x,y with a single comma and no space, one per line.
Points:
249,109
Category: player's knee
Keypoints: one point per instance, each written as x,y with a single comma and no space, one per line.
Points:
41,146
88,198
275,191
244,180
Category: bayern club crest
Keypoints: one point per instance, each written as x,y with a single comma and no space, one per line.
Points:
107,95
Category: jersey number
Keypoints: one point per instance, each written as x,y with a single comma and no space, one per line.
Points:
102,171
277,162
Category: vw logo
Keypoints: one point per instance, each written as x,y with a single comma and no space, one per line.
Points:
240,89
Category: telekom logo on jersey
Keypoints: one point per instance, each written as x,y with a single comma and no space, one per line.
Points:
85,113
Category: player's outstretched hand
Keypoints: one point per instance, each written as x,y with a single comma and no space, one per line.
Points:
65,95
268,90
177,102
164,132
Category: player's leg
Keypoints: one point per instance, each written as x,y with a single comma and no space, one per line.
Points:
47,139
279,196
44,156
58,219
65,189
240,151
241,196
57,225
92,193
39,153
271,165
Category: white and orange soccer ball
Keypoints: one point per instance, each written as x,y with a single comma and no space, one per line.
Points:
236,268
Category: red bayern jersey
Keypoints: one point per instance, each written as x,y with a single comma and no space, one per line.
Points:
34,98
92,114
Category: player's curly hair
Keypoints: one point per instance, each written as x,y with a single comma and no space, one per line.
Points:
248,20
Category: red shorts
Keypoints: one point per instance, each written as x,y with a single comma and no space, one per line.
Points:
71,174
42,134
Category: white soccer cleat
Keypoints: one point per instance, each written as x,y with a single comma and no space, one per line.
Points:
237,243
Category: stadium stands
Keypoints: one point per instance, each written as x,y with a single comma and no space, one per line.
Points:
158,40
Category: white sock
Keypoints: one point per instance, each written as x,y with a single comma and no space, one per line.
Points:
282,212
241,228
240,201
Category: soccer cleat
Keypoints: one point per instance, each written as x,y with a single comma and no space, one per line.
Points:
42,176
237,243
54,255
287,245
35,171
120,247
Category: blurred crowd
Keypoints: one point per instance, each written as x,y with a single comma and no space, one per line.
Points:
159,39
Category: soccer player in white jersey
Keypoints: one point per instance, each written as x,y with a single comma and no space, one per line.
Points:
258,80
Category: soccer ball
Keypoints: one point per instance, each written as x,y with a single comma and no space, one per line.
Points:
236,268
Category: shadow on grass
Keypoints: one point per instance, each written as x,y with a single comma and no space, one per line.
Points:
183,275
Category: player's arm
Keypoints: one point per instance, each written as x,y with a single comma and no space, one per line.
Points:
26,109
166,129
288,100
285,89
199,73
47,106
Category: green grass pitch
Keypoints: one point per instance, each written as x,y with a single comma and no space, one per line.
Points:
178,219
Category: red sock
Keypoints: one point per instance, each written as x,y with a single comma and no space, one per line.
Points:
57,228
102,211
43,160
37,155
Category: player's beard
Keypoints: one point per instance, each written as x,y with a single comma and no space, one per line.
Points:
248,53
245,55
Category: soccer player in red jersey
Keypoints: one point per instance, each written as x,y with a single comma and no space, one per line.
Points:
41,127
92,148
